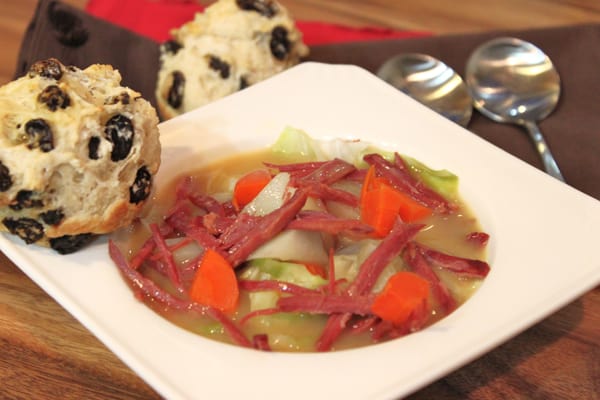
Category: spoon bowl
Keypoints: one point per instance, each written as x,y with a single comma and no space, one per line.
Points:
430,82
513,81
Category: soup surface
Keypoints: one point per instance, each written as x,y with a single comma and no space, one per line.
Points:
296,248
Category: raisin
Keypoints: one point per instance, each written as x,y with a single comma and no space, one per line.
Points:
266,8
171,47
5,178
141,187
123,98
216,64
40,135
93,146
26,228
50,68
280,44
52,217
70,243
25,199
119,131
53,97
175,96
243,83
68,26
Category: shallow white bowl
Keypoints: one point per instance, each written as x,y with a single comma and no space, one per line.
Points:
543,248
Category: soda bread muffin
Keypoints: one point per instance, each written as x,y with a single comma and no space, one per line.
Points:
77,154
232,44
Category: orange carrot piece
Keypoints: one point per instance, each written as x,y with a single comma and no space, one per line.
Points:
379,210
405,295
368,183
315,269
214,283
380,203
248,186
409,209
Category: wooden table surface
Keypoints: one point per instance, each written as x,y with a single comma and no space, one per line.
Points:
46,354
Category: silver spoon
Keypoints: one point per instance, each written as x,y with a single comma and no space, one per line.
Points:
430,82
513,81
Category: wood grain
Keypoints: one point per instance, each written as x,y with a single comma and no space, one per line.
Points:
46,354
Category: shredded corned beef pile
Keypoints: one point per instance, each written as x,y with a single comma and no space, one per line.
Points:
231,234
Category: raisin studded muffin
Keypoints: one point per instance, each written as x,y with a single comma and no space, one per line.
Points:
77,154
231,45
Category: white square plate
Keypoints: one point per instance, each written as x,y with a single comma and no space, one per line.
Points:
543,248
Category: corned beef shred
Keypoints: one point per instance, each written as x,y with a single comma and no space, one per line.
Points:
399,176
148,247
385,329
390,247
334,326
215,224
242,226
146,287
186,271
167,257
186,190
459,265
479,238
417,262
179,216
194,231
296,169
219,226
364,324
326,192
321,221
266,228
328,173
202,236
357,176
143,253
182,243
207,203
261,342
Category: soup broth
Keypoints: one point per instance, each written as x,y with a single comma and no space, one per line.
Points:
299,331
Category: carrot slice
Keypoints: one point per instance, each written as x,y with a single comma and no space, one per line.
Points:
405,296
248,186
369,182
314,269
379,210
380,203
214,283
409,209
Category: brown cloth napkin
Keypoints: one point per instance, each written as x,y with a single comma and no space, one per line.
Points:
76,38
572,130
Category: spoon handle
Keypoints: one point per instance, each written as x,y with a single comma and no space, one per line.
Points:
540,144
